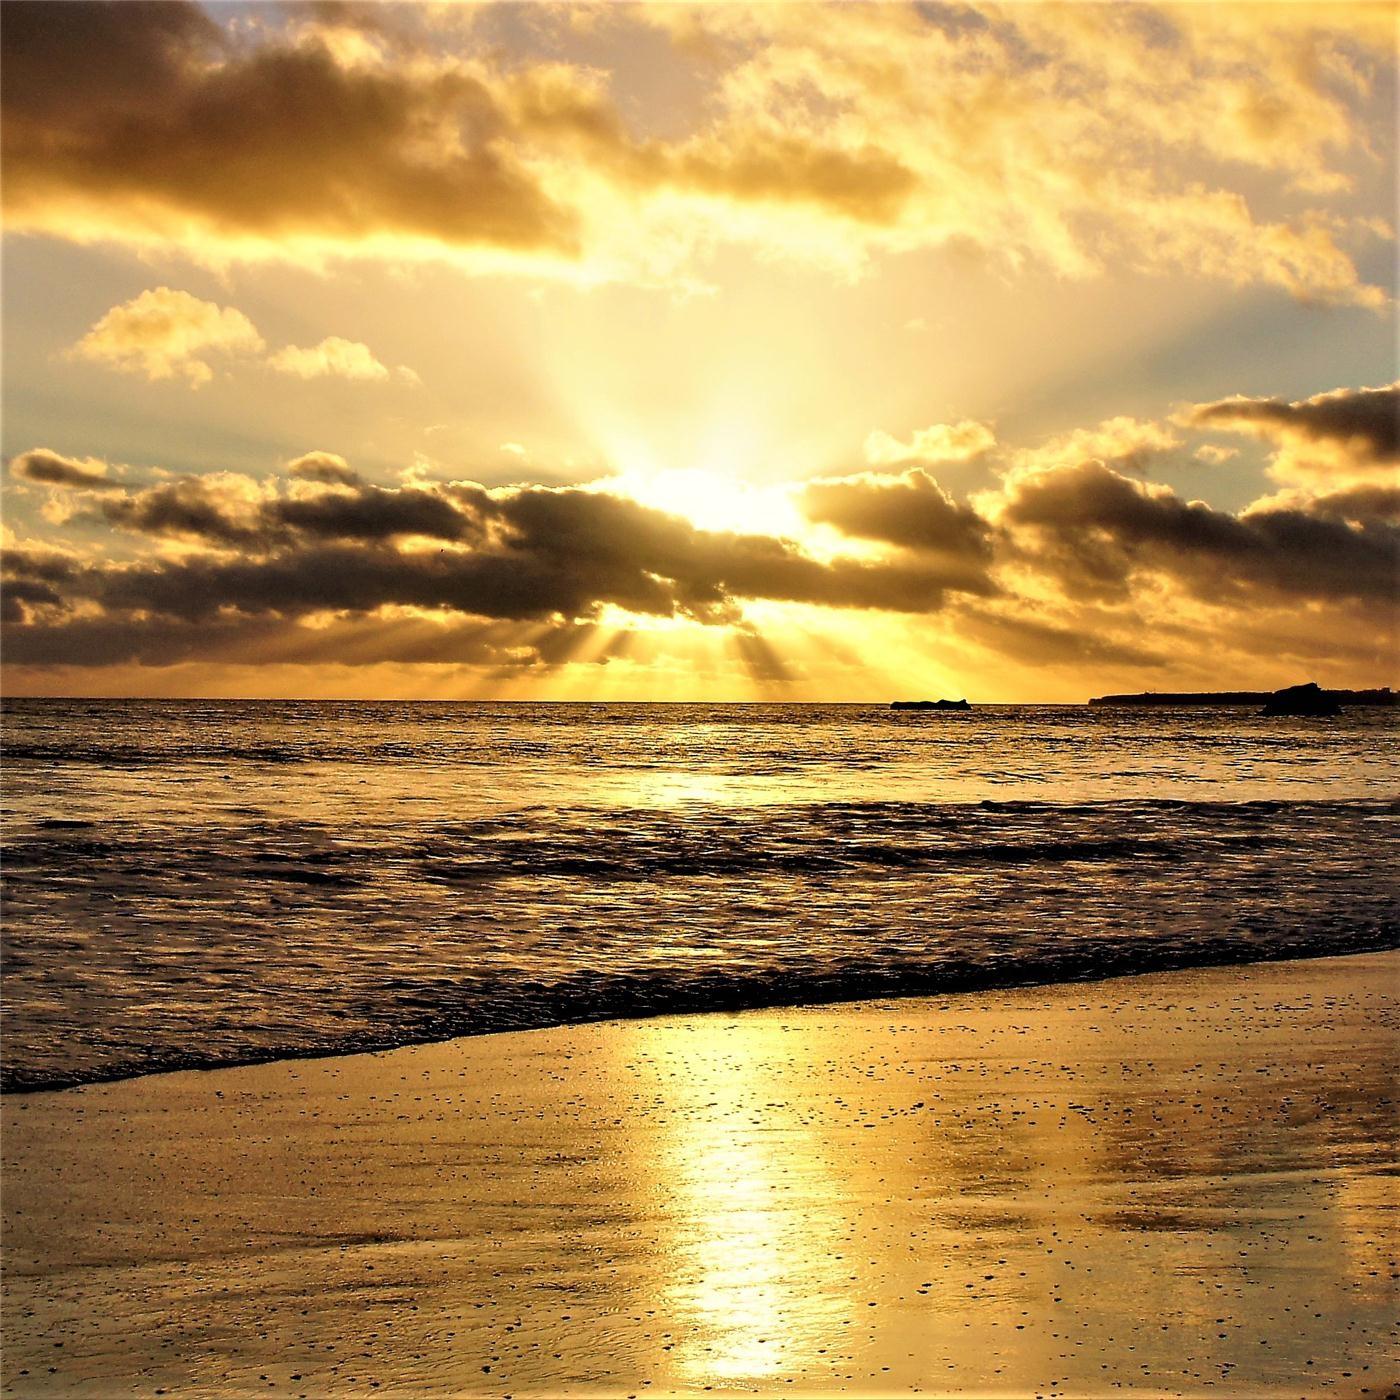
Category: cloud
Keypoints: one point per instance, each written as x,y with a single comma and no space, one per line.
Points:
226,510
1067,562
332,358
221,509
940,443
1354,503
865,184
1098,533
151,123
1214,455
911,511
325,467
164,333
1128,444
367,512
516,582
1079,137
1069,137
46,468
1359,503
1347,433
522,553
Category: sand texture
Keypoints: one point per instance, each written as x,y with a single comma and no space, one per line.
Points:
1173,1184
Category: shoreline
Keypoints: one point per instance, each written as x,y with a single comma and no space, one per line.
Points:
1082,1188
943,984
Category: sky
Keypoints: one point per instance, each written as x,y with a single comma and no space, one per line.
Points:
846,352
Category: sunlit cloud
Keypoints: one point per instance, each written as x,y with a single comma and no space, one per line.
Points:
1071,137
1213,454
164,333
1096,532
1329,438
940,443
334,358
1128,444
1068,561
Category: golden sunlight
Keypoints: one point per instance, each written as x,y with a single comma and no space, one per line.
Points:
711,499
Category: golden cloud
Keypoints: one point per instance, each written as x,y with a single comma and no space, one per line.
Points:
150,124
165,333
939,443
1347,435
1067,562
1072,136
334,357
1124,442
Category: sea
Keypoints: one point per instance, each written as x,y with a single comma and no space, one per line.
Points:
204,883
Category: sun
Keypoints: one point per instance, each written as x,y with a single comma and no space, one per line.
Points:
711,500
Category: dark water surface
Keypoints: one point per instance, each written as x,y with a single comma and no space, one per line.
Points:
202,883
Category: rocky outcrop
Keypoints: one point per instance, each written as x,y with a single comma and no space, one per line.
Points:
1309,699
929,705
1379,695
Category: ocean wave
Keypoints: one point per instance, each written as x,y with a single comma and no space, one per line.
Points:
430,1012
216,882
623,844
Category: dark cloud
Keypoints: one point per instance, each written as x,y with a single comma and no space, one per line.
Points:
39,565
910,510
125,54
1359,503
608,537
15,594
348,578
1365,420
33,579
530,555
143,110
188,508
868,185
1095,530
541,564
324,467
372,513
50,469
206,509
513,580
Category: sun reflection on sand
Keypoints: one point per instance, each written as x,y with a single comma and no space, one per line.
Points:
755,1290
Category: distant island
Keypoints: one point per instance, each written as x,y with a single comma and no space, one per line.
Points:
929,705
1308,699
1381,696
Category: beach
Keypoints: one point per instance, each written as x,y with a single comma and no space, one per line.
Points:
1177,1183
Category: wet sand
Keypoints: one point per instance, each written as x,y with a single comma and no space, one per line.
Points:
1173,1184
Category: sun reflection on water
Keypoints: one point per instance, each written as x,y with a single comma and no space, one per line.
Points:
754,1290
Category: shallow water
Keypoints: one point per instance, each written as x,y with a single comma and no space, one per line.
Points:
197,883
1161,1186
